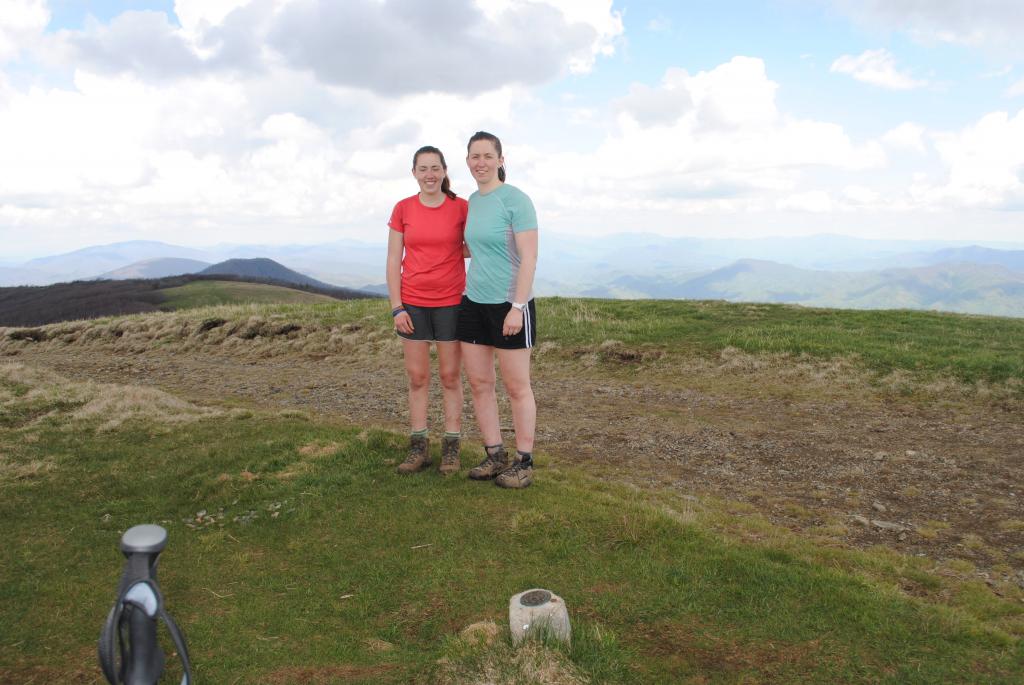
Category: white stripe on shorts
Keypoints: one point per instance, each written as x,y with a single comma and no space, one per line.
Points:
527,325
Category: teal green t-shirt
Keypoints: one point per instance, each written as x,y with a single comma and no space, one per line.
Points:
494,219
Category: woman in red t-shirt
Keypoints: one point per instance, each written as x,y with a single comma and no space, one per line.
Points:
426,275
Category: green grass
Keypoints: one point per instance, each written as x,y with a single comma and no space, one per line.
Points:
970,348
212,293
926,345
339,552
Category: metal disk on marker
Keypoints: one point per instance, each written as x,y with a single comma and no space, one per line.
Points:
147,538
538,610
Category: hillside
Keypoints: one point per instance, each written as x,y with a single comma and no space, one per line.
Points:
779,494
39,305
262,269
211,293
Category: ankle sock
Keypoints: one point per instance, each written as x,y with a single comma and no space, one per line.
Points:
453,436
419,433
525,458
491,449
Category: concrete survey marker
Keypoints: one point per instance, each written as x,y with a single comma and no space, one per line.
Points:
535,611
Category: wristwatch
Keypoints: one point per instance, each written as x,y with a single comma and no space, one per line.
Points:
519,305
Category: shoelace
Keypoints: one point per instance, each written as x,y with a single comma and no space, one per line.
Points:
493,459
518,468
412,458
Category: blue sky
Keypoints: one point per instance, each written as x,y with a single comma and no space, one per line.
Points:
292,121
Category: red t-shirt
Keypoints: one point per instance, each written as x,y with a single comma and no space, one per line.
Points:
433,270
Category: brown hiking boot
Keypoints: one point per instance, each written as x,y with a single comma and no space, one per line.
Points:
419,455
517,476
450,456
493,464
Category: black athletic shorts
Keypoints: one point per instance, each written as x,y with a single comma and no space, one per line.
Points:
432,324
481,324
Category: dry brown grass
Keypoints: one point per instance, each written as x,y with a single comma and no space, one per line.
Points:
242,330
482,633
529,664
11,470
106,406
254,331
113,405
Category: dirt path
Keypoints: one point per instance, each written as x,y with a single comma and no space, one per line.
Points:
942,480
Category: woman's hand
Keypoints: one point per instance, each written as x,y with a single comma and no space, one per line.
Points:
513,322
403,323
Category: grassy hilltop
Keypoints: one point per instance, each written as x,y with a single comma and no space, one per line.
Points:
296,554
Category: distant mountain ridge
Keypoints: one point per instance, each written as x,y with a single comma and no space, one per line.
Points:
966,288
157,268
821,270
972,254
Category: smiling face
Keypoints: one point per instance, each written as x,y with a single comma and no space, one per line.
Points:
483,161
429,172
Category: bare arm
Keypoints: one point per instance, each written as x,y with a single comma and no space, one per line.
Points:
396,246
526,244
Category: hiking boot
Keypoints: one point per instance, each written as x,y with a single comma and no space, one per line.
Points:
419,455
491,466
450,456
518,475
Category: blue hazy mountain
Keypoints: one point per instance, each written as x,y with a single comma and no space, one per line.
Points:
830,270
959,287
157,268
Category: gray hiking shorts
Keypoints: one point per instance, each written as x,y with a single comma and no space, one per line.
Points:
432,324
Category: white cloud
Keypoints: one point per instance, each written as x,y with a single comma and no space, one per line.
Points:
1005,70
907,135
860,195
198,16
985,164
1015,90
381,46
713,142
877,67
659,24
209,159
663,104
990,24
812,201
21,23
376,45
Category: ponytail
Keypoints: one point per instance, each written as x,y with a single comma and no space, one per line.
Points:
446,186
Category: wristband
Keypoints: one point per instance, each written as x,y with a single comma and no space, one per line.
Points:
519,305
397,310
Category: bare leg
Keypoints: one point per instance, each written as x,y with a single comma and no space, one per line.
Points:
449,361
478,360
417,367
515,374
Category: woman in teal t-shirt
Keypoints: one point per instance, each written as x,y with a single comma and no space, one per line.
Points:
497,316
